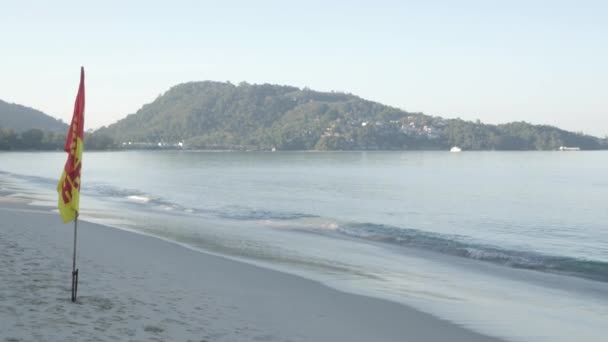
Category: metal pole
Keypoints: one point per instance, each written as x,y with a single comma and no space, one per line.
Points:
74,270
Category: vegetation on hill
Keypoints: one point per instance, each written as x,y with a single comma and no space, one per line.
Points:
37,139
32,139
20,119
214,115
24,128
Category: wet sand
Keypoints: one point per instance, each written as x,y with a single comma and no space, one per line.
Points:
139,288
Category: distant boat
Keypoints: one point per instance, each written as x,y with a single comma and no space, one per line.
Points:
566,148
455,149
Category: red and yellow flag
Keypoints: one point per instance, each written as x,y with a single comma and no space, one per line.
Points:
69,184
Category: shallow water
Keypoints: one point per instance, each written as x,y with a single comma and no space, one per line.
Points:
513,244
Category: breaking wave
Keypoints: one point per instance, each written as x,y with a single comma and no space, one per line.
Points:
453,245
457,246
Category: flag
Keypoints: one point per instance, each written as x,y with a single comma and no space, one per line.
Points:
69,184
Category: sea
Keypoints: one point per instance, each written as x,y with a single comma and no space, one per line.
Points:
509,244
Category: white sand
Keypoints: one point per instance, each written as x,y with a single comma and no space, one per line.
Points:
138,288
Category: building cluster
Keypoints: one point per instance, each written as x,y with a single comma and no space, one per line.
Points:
430,131
410,126
152,145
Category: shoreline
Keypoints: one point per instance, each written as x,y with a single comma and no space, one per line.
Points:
287,151
139,287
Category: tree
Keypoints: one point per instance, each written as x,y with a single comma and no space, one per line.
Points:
32,139
8,139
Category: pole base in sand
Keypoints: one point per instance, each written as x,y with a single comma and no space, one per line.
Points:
74,284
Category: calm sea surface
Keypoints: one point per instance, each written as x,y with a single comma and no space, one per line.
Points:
512,244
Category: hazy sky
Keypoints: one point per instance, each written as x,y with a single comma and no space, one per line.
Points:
499,61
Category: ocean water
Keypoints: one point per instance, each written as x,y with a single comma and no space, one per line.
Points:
511,244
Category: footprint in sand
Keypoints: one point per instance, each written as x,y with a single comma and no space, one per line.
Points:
153,329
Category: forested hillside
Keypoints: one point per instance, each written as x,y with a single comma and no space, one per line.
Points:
214,115
20,118
27,128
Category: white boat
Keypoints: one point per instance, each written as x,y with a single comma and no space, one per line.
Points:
566,148
455,149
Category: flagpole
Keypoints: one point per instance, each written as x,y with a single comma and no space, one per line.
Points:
74,270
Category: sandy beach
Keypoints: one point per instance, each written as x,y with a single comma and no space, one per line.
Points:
139,288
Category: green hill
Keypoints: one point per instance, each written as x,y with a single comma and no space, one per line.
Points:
21,118
215,115
26,128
